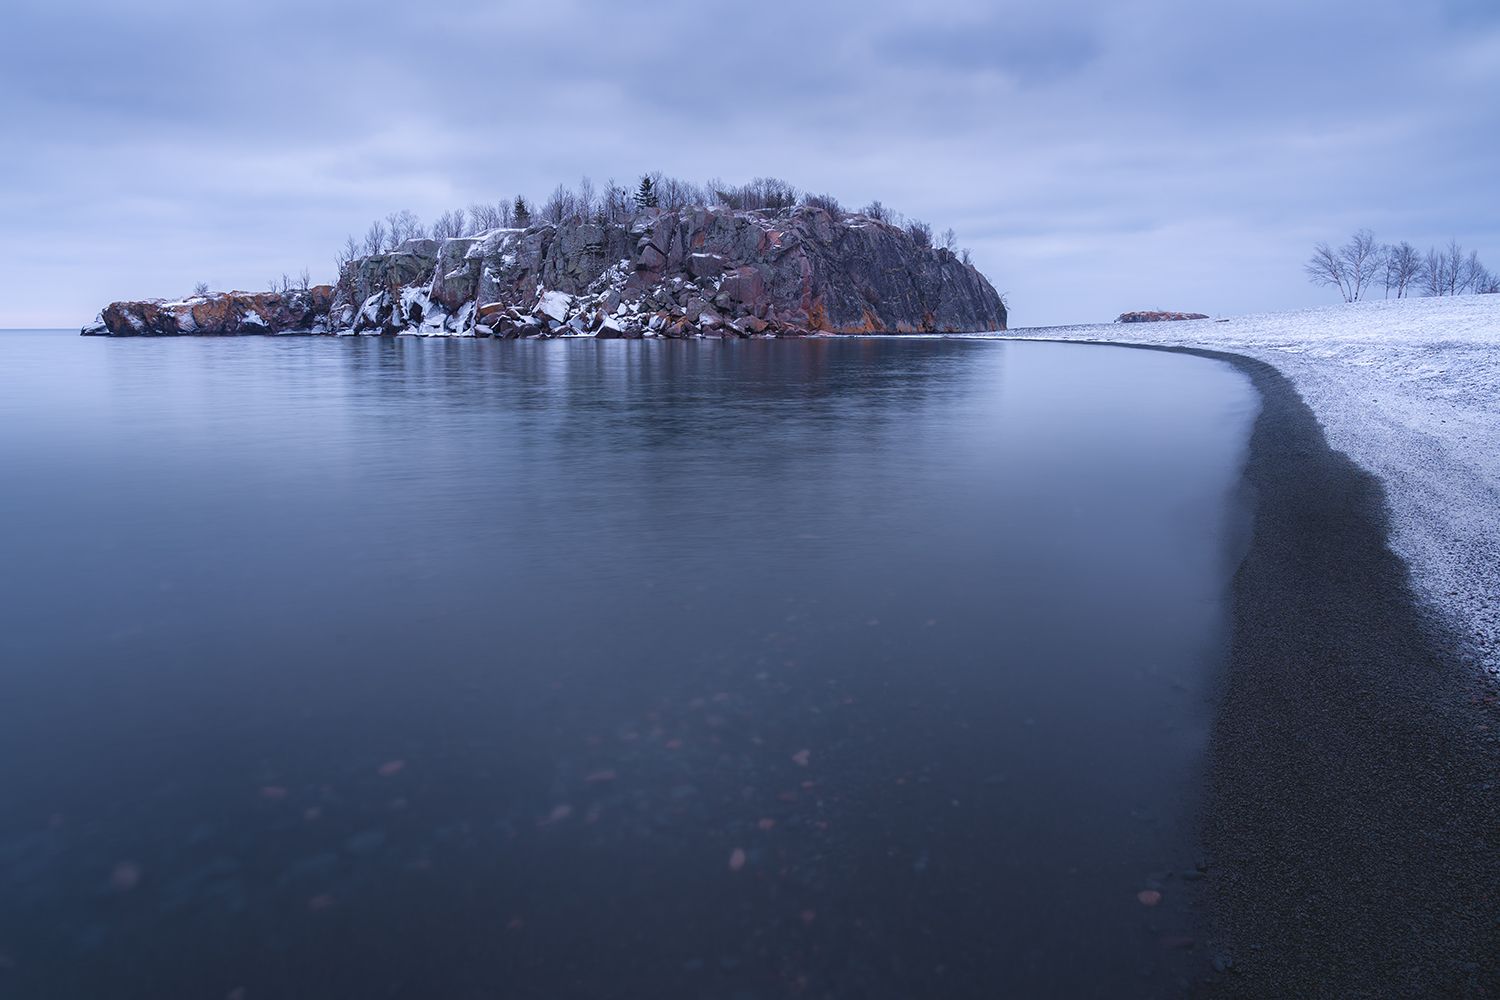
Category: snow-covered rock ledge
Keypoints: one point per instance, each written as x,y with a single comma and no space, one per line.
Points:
1409,389
695,272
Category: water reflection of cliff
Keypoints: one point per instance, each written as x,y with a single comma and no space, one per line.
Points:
545,395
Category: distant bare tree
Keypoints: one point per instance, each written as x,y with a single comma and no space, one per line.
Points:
559,205
826,202
1453,268
674,194
721,193
966,257
484,216
346,253
201,288
950,239
1403,266
587,200
1326,267
374,238
1450,271
875,210
450,225
619,206
1471,273
770,193
774,193
919,231
304,279
1362,261
1351,268
1434,273
403,226
1488,283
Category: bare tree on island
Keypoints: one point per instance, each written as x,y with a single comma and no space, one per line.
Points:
484,216
587,200
374,238
561,206
450,224
403,225
346,253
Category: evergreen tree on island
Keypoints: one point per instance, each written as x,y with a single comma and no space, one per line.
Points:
645,195
521,212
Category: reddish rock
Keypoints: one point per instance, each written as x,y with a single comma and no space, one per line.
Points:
744,285
223,314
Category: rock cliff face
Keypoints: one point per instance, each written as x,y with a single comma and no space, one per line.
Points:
673,274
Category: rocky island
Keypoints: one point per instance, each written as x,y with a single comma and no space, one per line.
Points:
1157,316
693,271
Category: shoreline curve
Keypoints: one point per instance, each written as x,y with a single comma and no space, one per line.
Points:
1352,811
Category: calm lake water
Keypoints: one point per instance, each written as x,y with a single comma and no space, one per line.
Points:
402,668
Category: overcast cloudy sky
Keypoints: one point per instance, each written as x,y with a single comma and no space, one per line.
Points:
1096,155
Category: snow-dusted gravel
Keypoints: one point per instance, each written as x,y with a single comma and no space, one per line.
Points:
1410,390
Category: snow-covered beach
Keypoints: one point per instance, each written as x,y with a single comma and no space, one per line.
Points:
1410,390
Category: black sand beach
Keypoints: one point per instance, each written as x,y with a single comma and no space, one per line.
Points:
1352,829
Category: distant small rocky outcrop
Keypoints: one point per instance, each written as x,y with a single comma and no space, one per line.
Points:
692,272
1156,316
303,310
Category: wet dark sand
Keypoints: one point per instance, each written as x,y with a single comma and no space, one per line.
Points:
1352,827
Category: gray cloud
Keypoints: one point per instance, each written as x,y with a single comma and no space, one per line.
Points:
1096,155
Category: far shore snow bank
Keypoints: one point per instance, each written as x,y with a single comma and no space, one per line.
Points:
1410,390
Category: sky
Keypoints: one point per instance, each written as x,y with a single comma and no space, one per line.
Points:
1095,155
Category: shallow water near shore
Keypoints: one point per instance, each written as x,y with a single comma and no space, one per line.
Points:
397,667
